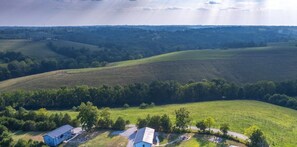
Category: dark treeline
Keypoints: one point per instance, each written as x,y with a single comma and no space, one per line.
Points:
159,92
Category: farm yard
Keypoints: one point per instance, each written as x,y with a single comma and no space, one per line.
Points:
240,114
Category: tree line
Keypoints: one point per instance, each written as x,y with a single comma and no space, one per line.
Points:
159,92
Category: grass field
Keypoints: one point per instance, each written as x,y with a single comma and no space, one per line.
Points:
105,140
274,62
39,49
27,135
278,123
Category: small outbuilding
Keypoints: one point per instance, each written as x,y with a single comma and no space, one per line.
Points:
58,135
144,137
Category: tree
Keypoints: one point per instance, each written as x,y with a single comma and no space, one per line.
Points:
143,122
225,128
250,130
88,115
29,125
9,111
21,143
119,124
201,125
209,122
166,124
257,139
182,117
126,106
105,121
66,119
5,137
155,122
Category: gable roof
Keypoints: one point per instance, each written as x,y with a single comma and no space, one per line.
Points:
59,131
144,135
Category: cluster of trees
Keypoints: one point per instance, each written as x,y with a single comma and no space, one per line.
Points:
40,120
159,92
7,141
90,118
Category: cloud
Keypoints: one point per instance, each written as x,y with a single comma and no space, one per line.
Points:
213,2
174,8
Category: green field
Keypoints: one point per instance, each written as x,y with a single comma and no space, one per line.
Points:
278,123
105,140
28,135
274,62
39,49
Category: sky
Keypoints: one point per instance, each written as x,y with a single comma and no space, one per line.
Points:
147,12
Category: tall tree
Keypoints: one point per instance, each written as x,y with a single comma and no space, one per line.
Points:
88,115
182,118
224,128
209,122
166,123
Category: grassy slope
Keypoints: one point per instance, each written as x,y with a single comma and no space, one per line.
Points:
39,49
275,62
278,123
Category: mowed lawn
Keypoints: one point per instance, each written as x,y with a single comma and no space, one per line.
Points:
278,123
104,139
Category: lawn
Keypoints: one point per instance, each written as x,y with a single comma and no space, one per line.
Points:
37,136
278,123
104,139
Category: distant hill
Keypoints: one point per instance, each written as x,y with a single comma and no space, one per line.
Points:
40,49
275,62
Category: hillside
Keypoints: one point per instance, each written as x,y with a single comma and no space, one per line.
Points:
39,49
278,123
275,62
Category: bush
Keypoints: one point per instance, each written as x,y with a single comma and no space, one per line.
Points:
29,126
126,106
152,104
45,126
74,108
143,106
119,124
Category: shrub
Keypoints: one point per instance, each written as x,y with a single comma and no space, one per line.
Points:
126,106
29,126
143,106
119,124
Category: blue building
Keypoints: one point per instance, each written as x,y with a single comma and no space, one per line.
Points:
144,137
58,135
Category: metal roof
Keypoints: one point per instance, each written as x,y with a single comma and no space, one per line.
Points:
144,135
59,131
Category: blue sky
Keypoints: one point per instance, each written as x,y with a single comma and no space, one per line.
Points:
147,12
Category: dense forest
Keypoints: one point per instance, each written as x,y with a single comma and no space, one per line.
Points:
125,43
159,92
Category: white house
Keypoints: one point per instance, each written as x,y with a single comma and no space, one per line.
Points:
144,137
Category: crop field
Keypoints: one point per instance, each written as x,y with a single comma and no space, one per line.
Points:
278,123
275,62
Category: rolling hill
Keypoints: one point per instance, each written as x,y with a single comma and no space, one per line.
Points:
39,49
275,62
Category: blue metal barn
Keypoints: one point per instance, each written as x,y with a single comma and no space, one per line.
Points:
58,135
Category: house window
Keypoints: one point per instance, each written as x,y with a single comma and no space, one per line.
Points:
62,136
143,145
